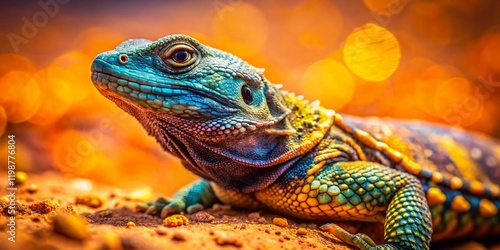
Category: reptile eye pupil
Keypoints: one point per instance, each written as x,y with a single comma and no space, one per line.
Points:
180,55
123,58
246,93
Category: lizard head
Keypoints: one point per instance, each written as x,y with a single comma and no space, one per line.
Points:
214,111
195,88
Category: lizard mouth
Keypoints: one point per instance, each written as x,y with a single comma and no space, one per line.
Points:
112,80
127,88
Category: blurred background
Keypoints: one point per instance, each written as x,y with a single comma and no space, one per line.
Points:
431,60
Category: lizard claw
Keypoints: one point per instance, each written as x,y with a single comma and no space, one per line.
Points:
164,207
173,207
180,206
194,208
362,241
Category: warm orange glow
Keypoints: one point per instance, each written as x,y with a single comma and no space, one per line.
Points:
329,82
390,6
141,194
490,52
372,53
464,6
405,80
228,31
20,96
83,185
71,149
368,92
3,120
12,62
92,40
74,67
450,93
316,24
431,20
56,95
426,84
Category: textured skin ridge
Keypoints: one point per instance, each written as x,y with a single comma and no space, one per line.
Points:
256,146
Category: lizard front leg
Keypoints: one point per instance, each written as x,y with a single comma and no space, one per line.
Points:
359,190
200,195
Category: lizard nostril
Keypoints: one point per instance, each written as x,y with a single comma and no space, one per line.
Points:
123,58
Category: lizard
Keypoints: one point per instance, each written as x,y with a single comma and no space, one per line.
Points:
255,145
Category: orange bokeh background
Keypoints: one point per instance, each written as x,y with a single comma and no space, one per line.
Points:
432,60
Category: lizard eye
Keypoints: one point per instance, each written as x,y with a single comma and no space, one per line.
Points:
180,55
246,93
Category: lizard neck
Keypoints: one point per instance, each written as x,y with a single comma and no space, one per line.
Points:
267,152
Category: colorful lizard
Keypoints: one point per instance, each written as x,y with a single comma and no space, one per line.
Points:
257,146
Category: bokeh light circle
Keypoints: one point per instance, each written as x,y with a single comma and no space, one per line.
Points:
372,52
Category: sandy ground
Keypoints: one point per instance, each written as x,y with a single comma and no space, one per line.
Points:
48,216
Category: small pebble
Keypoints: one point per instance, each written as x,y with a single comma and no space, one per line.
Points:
115,204
267,231
287,237
175,220
223,240
71,210
110,240
178,237
312,243
44,207
281,239
141,207
89,200
105,213
262,220
161,231
127,243
130,224
302,231
277,232
20,178
282,222
70,226
254,216
33,188
243,226
202,216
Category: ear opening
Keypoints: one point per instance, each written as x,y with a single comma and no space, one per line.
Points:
278,110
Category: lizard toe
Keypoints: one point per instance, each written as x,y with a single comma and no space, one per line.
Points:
194,208
174,207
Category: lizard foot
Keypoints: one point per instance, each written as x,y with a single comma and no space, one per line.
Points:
362,241
190,199
165,207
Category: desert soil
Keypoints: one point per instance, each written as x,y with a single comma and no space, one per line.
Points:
56,212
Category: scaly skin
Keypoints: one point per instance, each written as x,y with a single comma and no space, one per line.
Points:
256,146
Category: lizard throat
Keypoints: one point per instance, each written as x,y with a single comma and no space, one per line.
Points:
233,163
